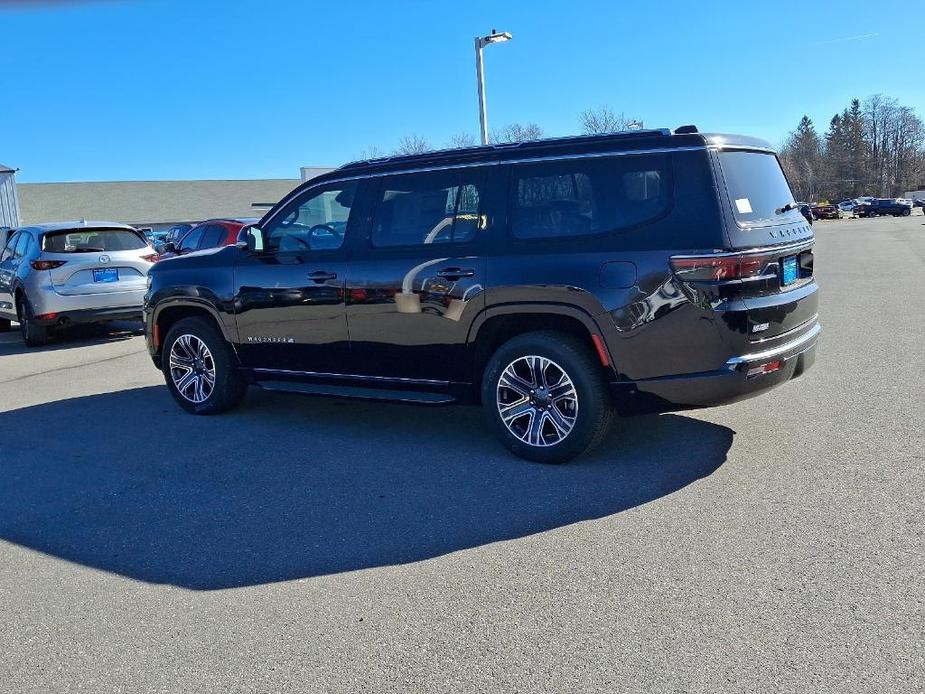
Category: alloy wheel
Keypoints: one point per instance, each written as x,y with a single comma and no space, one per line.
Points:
192,368
537,401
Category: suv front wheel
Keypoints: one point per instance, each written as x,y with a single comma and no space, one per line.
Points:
545,397
200,368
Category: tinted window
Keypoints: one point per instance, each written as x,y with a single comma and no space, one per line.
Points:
214,235
10,245
191,241
22,245
317,222
420,209
92,240
757,188
590,196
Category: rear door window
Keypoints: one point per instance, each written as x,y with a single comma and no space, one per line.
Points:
92,241
10,248
214,235
428,208
590,196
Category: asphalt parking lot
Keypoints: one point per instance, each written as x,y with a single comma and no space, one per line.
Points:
774,545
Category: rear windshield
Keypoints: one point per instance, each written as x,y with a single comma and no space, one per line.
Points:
757,189
92,240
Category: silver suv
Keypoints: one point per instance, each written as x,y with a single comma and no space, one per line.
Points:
57,275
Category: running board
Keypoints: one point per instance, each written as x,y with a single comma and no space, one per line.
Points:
358,392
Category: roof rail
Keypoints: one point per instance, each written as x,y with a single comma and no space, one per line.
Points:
437,153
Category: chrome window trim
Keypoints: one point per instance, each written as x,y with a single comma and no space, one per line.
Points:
803,245
468,165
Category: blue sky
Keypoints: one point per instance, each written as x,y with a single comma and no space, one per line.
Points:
173,89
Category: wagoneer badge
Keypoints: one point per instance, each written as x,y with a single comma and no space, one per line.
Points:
270,338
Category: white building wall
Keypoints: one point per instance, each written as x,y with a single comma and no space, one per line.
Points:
9,202
310,172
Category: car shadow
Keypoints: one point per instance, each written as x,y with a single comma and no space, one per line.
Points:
288,487
11,343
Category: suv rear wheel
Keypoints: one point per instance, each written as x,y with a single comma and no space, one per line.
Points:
32,334
200,368
544,396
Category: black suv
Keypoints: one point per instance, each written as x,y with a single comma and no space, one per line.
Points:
883,206
552,281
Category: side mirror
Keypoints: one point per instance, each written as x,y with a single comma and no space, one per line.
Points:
254,239
169,247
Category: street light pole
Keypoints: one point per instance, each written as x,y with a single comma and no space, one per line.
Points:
480,43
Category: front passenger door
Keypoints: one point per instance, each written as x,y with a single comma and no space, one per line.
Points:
289,294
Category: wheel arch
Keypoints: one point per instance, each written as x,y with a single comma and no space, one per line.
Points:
498,324
167,313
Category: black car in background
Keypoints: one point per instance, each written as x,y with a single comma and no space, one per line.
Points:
552,281
881,207
807,211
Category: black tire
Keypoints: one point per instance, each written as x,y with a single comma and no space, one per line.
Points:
5,325
906,213
33,335
228,386
570,355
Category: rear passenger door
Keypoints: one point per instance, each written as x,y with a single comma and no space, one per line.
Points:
417,279
8,265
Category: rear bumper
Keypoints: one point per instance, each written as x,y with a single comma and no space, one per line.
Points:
731,382
93,315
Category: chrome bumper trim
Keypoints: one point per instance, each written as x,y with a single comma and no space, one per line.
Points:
791,349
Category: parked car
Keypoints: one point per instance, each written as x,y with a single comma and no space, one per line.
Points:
883,206
178,231
918,202
57,275
847,206
209,234
551,281
807,211
825,211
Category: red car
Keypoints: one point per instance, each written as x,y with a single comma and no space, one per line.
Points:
211,233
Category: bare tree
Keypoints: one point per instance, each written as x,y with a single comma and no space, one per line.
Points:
602,120
461,139
372,152
412,144
516,132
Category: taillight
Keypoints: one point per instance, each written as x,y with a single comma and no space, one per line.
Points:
719,267
150,258
46,264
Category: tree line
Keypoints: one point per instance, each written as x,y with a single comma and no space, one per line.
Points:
598,120
873,147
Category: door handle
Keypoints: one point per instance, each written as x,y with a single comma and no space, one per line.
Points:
322,276
455,273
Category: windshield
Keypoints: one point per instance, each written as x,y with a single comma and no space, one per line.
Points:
757,189
92,240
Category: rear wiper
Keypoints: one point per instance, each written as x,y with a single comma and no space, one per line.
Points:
786,208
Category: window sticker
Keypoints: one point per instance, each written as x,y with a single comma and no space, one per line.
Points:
743,206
